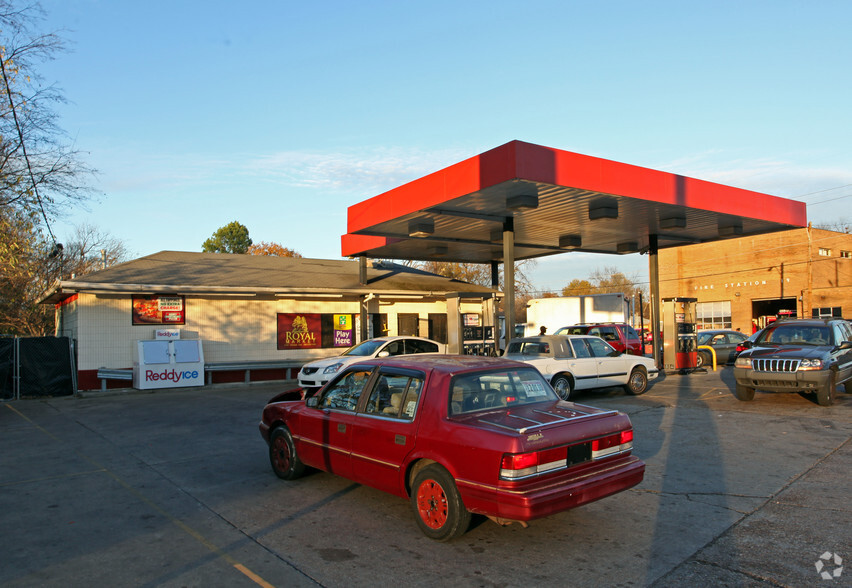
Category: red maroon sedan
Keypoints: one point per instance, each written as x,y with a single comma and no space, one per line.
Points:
455,435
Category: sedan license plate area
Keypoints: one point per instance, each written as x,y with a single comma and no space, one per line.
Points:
579,453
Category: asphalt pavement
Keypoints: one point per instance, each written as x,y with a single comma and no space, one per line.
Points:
174,488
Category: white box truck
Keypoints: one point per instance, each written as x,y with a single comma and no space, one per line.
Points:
564,311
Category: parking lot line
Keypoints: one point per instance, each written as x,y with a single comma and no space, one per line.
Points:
177,522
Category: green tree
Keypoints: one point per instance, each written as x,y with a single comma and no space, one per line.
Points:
232,238
26,270
577,287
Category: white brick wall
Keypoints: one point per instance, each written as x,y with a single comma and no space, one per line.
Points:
232,329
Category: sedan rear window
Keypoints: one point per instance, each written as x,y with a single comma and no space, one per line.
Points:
529,347
418,346
497,389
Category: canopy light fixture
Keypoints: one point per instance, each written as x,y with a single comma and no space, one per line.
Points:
603,209
731,230
673,222
421,227
570,241
627,247
437,250
522,202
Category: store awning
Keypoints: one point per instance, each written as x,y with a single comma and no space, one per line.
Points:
554,201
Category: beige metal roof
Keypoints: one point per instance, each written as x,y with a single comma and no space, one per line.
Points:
183,272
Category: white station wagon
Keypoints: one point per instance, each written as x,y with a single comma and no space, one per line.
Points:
581,362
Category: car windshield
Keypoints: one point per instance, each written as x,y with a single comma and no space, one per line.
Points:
498,389
365,348
786,334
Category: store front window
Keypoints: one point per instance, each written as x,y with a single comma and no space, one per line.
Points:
713,315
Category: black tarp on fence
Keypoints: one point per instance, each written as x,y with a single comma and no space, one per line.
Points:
45,367
7,368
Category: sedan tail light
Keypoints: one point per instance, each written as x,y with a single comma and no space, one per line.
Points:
612,445
521,465
515,466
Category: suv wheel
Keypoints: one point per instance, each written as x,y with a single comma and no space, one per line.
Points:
825,395
744,393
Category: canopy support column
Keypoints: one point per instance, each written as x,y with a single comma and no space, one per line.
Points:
509,277
654,278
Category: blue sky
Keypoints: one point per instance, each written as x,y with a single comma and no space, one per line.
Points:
282,114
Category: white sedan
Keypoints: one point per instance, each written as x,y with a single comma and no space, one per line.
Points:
580,362
318,373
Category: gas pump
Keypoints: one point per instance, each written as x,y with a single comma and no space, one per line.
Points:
680,341
470,329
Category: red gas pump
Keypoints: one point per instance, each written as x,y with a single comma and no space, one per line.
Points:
680,341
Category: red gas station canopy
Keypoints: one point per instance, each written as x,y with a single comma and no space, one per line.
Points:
554,201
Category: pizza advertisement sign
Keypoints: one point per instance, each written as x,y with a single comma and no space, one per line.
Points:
158,310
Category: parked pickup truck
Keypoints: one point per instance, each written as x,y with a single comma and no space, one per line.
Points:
455,435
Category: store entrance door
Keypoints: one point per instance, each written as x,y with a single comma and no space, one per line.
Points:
408,324
438,327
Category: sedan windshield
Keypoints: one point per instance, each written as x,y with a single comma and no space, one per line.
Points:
365,348
498,389
786,334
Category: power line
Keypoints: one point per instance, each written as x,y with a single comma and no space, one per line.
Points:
821,191
56,246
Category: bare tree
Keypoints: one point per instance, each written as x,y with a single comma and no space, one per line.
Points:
30,263
90,249
479,273
40,171
841,225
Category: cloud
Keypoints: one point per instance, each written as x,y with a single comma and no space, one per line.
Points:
773,176
368,170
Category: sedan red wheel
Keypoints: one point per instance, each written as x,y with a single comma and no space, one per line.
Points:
437,504
282,455
432,504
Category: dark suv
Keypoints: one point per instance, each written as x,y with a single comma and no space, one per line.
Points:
620,335
798,355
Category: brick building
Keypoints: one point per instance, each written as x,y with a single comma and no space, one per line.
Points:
804,272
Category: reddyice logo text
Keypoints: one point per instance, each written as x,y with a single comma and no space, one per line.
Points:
170,375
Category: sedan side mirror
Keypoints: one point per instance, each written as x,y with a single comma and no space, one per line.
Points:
312,402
